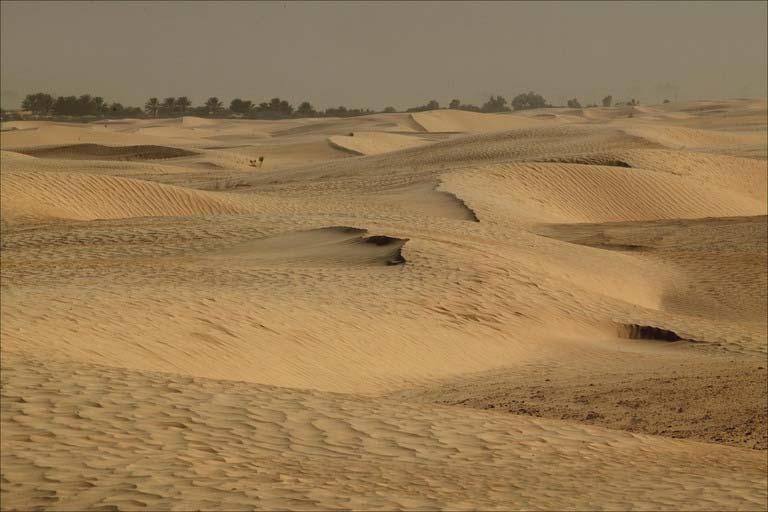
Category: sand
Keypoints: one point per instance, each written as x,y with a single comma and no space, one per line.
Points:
444,310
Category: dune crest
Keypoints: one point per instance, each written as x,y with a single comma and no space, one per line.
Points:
66,196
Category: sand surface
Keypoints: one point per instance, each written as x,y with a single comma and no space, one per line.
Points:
557,309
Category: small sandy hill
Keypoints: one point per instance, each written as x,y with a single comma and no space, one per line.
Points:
61,134
472,122
603,113
343,125
691,138
22,125
171,171
725,280
236,131
708,107
745,176
99,152
40,196
195,122
13,156
325,246
374,143
590,193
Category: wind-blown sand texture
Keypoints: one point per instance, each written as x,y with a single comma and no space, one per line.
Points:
556,309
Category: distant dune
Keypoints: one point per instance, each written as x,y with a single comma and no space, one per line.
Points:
99,152
373,143
472,122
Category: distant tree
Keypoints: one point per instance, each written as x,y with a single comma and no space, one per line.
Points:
65,106
306,110
274,109
169,105
495,104
240,106
213,105
39,103
281,106
528,100
340,111
574,103
608,101
346,112
78,106
152,107
84,103
116,109
183,103
633,102
454,104
99,105
389,110
666,101
431,105
132,112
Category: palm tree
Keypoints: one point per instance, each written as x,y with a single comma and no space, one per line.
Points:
183,103
152,106
169,104
213,105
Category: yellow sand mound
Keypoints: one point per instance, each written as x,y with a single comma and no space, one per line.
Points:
39,196
472,122
691,138
326,246
374,143
550,192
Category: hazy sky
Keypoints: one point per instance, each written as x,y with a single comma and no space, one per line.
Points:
362,54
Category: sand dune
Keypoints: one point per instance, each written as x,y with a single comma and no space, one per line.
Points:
53,134
42,196
551,192
370,143
99,152
183,328
702,140
472,122
338,245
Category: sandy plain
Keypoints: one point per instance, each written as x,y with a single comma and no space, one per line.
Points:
555,309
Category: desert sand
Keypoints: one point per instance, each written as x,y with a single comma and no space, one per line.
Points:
554,309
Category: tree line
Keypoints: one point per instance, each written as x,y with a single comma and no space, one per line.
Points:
523,101
43,104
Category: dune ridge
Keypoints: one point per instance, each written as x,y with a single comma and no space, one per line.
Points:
100,152
79,197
